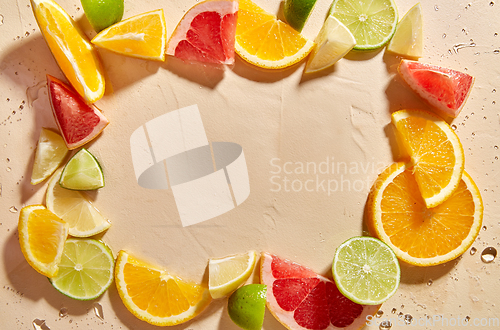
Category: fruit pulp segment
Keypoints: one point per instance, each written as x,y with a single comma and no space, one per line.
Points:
44,235
228,270
412,227
82,172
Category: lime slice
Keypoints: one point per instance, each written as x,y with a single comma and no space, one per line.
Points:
228,273
408,40
50,153
82,172
297,12
73,207
247,306
85,270
333,42
372,22
366,270
103,13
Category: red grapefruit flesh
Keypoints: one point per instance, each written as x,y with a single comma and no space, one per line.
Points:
301,299
78,121
444,89
206,33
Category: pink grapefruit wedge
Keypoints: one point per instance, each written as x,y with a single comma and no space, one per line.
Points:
301,299
444,89
78,121
206,33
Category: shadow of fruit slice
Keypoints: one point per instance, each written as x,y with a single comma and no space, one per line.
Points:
78,121
301,299
247,306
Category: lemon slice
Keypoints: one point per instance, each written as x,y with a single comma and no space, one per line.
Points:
82,172
42,235
73,207
408,40
228,273
50,153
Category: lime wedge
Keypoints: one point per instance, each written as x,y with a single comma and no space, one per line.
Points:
85,270
408,40
247,305
73,207
228,273
103,13
333,42
366,270
82,172
297,12
372,22
50,153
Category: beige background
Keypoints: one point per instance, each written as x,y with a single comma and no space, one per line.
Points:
342,114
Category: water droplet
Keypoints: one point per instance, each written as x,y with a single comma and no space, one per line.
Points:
436,8
385,325
1,19
13,209
393,311
408,319
429,282
39,325
400,314
494,90
473,251
9,169
454,127
489,254
63,312
493,102
473,134
27,34
402,306
98,311
496,51
484,227
496,147
492,3
380,313
444,35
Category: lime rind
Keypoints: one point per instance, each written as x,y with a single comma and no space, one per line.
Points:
247,305
82,172
85,270
297,12
366,270
103,13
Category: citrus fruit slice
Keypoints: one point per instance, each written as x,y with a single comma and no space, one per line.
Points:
103,13
82,172
436,153
73,207
301,299
333,42
247,305
42,235
206,33
408,39
372,22
85,270
78,122
50,153
419,235
297,12
75,55
366,270
228,273
142,36
154,295
444,89
265,41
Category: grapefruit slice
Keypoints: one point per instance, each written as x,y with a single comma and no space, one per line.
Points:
78,121
206,33
444,89
301,299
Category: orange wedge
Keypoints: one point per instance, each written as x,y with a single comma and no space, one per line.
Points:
154,295
265,41
419,235
142,36
436,153
75,55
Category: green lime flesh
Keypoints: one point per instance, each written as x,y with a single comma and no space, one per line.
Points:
247,305
103,13
86,269
297,12
366,270
82,172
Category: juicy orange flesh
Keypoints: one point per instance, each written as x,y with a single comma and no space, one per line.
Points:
145,31
261,34
159,297
431,152
44,234
70,47
423,232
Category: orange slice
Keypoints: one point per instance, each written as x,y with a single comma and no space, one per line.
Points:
265,41
436,153
154,295
142,36
419,235
75,55
42,235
